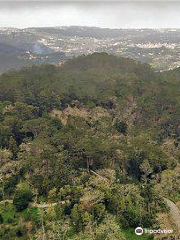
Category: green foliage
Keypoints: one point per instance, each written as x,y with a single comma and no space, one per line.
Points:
121,127
52,195
78,216
10,185
96,137
169,185
130,235
23,196
1,219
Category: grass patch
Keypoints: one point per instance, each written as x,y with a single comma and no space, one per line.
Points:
8,213
130,235
31,214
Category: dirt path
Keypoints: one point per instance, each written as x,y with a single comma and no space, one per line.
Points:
175,212
38,205
6,201
42,205
46,205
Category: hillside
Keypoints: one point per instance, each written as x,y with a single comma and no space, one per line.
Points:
86,149
50,45
10,62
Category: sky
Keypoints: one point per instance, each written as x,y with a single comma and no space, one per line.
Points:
106,14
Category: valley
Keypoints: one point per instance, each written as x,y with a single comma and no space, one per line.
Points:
35,46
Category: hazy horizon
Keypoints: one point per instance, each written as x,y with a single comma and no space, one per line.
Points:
105,14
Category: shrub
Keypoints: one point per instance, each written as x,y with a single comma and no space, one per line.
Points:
23,196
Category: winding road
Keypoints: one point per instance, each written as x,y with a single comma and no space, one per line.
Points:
174,210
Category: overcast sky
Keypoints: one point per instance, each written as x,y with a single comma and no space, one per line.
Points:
121,14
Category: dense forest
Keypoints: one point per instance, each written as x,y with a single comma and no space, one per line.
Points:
89,150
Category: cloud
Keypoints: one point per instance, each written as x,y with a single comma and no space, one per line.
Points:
120,14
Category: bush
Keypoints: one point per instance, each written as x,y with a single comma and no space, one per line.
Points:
23,196
121,127
1,219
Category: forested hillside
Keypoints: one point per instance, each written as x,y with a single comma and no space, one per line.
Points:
88,150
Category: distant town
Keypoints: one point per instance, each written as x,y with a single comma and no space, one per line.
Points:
23,47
